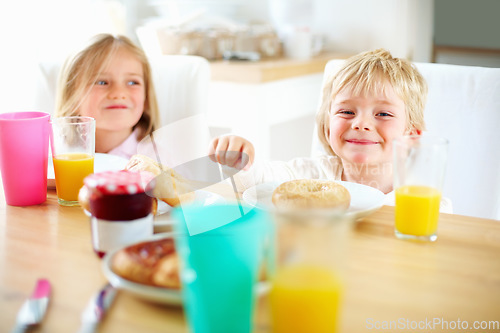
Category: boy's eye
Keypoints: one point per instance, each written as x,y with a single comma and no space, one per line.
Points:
346,112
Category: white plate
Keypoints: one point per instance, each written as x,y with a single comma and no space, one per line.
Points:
201,197
364,199
150,293
102,162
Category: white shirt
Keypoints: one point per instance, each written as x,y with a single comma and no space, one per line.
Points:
127,148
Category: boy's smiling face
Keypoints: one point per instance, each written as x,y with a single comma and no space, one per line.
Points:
362,128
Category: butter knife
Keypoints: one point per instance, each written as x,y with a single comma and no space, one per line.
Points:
33,310
96,309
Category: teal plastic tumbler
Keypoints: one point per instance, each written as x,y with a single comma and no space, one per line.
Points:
221,249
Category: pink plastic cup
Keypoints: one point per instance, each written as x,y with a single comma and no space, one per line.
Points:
24,150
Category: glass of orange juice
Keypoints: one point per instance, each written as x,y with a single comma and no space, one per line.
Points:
419,170
73,150
307,286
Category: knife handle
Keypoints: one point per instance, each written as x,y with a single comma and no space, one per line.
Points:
19,328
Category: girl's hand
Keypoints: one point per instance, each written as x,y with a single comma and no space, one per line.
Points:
233,151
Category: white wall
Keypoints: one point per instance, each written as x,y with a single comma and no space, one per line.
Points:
404,27
33,30
354,26
401,26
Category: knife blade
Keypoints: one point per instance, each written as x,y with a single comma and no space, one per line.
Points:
96,309
33,309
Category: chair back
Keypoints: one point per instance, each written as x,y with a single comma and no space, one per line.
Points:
181,83
149,40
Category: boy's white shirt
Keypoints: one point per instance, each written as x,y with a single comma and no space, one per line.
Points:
320,167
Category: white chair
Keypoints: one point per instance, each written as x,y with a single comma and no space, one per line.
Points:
149,40
181,84
45,93
464,106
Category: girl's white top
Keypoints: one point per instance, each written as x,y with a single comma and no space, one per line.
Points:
127,148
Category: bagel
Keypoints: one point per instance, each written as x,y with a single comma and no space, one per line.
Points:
311,193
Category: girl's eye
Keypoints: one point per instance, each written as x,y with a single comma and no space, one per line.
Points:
384,114
100,82
134,83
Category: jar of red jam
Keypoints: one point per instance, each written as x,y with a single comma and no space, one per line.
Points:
120,208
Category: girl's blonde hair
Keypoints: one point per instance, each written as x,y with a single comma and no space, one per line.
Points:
81,71
368,73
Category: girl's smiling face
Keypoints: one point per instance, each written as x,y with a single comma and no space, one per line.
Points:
116,98
362,127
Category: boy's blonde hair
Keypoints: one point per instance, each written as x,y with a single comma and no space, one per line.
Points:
81,71
368,72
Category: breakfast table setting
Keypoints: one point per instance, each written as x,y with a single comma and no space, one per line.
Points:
78,238
388,280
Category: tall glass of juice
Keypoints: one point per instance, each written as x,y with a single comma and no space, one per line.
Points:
73,150
419,169
308,284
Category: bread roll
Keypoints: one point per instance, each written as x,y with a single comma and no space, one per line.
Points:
170,187
311,193
153,263
83,198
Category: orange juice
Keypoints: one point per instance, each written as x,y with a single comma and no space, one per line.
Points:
305,298
417,210
70,170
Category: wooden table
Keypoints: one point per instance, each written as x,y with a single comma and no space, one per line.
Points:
455,278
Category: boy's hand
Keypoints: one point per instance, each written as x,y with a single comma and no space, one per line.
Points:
233,151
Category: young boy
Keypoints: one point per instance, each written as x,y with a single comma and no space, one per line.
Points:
372,100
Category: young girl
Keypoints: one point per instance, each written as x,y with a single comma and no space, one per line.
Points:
372,100
110,80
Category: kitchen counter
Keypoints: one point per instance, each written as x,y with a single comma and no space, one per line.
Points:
272,69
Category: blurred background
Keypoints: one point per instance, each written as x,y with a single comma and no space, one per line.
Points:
445,31
448,31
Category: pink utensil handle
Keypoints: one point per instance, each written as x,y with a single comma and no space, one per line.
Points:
42,289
